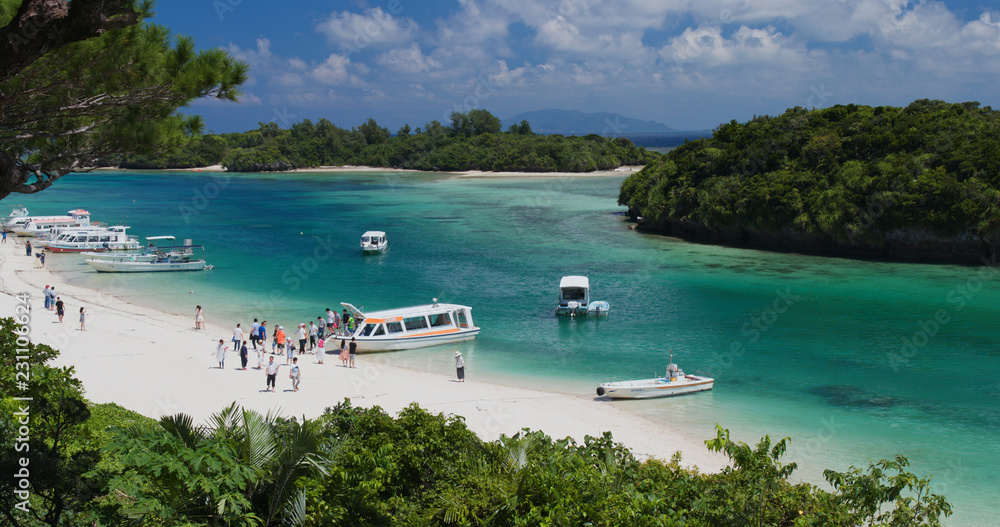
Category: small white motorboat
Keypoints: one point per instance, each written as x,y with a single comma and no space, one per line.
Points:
374,242
16,212
675,382
574,298
148,255
174,258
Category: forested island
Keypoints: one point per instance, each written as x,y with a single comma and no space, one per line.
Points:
918,183
100,464
473,141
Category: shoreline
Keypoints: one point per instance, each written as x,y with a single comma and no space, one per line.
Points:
155,363
623,170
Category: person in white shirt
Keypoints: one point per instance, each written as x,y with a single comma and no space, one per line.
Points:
301,335
294,374
460,366
313,331
237,337
272,372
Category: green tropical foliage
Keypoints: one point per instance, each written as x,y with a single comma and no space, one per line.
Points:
103,465
881,179
105,96
473,141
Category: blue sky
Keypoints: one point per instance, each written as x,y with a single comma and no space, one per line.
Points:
688,64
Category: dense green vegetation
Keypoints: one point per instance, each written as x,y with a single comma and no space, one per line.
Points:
920,181
473,141
100,465
93,81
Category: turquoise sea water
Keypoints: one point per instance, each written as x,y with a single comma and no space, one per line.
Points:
854,360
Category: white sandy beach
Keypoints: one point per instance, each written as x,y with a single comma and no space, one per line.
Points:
620,171
156,363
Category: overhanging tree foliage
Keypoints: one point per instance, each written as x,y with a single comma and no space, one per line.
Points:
67,101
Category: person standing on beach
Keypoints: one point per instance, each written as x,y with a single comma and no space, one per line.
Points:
41,257
313,333
237,337
60,308
262,335
27,248
352,351
220,354
243,355
321,350
199,318
272,372
295,375
460,366
320,327
300,333
343,352
4,237
52,298
253,333
83,319
48,297
343,323
279,339
330,327
260,357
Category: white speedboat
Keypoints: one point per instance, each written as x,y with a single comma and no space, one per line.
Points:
675,382
173,258
374,242
574,298
411,327
32,225
94,238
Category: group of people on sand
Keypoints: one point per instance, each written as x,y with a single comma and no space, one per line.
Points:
317,335
55,303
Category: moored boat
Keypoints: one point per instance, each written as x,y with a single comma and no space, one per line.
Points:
149,254
574,298
412,327
33,225
173,258
374,242
93,238
674,382
16,212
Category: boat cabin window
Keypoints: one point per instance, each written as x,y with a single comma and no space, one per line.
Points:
574,293
440,319
92,239
394,327
460,318
413,323
105,238
373,330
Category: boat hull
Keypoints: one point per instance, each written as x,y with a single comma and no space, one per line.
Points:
654,388
371,344
118,266
93,248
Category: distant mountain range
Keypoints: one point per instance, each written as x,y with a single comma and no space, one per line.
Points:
572,122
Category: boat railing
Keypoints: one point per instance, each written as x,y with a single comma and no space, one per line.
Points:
612,380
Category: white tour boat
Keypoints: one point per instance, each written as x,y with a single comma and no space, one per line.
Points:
32,225
675,382
574,298
16,212
173,258
374,242
97,239
412,327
